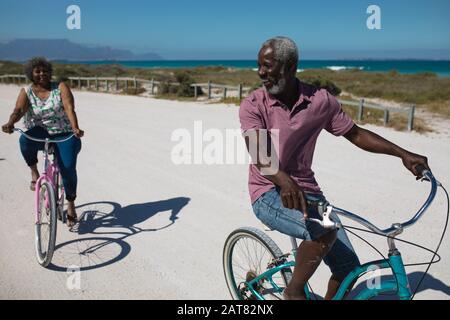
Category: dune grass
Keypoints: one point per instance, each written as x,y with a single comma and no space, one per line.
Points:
425,90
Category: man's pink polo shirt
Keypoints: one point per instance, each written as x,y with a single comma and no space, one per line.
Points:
316,109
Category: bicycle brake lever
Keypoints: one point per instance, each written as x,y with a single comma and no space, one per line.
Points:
327,223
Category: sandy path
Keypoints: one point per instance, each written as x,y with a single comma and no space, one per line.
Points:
128,184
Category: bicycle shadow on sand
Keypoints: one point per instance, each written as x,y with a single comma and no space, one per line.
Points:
111,224
428,283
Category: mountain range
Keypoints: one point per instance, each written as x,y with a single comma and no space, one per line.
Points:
63,49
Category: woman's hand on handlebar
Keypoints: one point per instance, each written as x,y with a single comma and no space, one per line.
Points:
78,133
8,128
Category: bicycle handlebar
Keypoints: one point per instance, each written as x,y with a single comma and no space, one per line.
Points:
396,228
43,140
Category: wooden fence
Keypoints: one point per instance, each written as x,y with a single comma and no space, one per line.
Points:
113,83
361,105
135,83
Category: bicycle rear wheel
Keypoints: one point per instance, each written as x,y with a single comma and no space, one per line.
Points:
45,228
247,253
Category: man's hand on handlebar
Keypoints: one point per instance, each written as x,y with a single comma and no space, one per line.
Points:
415,163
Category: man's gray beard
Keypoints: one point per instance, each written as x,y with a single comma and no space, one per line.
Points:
277,88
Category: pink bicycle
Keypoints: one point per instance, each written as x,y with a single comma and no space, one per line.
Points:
49,197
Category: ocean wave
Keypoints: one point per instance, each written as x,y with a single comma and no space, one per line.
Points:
339,68
298,70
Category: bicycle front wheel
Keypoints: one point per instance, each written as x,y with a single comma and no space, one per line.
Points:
248,252
45,228
59,195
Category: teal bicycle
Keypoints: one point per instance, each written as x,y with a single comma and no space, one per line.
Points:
256,269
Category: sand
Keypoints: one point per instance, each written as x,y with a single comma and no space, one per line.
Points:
130,193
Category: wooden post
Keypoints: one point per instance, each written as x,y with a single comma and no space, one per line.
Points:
152,86
135,82
224,93
71,82
361,110
126,84
89,83
107,85
209,89
386,116
411,118
117,84
240,91
79,83
96,83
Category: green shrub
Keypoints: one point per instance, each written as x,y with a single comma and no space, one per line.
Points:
326,84
185,80
9,67
133,91
166,88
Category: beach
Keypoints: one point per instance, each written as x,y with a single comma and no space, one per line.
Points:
160,227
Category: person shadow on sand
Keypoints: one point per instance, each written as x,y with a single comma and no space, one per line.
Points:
118,223
429,283
128,217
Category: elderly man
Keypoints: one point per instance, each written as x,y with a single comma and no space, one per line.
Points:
284,200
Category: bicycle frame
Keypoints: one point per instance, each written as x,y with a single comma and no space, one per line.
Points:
395,263
400,285
49,173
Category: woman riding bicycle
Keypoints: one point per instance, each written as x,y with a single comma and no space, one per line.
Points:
49,112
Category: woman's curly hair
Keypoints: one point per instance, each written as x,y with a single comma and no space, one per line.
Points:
37,62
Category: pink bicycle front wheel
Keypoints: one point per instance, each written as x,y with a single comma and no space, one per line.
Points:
45,228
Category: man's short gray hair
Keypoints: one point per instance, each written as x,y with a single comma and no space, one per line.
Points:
286,50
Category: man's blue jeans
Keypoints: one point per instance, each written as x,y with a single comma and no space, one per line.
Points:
270,210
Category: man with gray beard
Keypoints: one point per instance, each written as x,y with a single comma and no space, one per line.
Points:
285,200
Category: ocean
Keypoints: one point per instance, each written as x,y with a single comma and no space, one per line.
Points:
440,67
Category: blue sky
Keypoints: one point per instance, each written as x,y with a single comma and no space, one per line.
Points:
234,29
